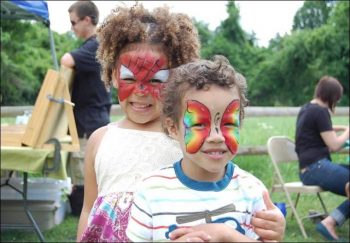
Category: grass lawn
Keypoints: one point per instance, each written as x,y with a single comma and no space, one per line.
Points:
255,131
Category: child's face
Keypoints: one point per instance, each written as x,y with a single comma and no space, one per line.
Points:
208,131
140,74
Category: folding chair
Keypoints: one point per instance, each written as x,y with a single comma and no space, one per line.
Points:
281,149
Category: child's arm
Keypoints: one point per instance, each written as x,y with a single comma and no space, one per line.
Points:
90,185
270,223
215,232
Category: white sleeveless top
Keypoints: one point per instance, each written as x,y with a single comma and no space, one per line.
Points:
125,156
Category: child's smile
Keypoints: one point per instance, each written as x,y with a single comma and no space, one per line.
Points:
140,76
209,131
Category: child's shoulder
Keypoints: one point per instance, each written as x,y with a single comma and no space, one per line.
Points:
96,137
248,179
162,175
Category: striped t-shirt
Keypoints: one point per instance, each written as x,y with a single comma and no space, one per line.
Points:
168,199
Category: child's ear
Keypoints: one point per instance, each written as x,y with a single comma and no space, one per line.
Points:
114,79
171,127
115,84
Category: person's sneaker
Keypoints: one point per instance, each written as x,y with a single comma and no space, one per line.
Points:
320,228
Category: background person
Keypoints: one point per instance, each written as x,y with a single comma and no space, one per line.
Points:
91,98
315,138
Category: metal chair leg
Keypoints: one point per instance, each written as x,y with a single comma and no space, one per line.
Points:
322,203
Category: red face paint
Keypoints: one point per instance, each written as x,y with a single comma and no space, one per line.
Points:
141,72
230,126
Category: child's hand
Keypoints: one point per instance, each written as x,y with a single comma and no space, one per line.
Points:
189,235
270,223
214,232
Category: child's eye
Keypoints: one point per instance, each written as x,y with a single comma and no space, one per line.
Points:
198,125
156,81
231,125
129,80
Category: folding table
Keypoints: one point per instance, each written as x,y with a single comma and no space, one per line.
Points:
42,146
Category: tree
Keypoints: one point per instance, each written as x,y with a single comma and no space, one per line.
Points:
298,61
230,27
25,58
311,15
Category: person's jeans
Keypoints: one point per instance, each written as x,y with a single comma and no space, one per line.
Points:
330,177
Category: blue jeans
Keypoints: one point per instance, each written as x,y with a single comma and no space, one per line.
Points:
330,177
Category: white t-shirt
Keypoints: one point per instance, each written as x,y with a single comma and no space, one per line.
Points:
168,199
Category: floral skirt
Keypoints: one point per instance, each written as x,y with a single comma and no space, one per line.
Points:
109,218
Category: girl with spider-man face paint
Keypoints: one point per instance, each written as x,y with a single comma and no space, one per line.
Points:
137,47
137,50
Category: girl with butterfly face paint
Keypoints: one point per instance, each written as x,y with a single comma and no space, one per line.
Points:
215,200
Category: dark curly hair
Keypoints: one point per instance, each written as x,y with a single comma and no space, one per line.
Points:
125,25
200,75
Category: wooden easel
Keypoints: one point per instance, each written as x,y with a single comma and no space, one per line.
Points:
52,120
52,116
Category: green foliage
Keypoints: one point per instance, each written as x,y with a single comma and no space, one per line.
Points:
25,58
230,27
283,74
312,15
297,61
205,34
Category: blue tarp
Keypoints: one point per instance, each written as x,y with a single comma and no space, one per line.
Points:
36,7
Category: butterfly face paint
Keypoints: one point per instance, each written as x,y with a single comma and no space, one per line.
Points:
230,126
197,122
141,72
197,125
216,121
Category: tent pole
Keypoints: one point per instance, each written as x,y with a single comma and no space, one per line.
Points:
52,48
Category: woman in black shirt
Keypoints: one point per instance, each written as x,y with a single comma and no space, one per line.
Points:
315,139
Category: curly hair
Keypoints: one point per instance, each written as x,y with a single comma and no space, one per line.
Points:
125,25
200,75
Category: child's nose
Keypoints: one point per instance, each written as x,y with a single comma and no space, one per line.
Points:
141,89
215,135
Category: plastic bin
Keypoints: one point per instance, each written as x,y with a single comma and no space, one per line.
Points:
46,199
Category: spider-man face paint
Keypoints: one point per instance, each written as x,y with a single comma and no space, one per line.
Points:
197,122
230,126
141,72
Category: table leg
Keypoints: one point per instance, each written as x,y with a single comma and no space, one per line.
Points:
26,209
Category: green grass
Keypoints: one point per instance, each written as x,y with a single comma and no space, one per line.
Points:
64,232
255,131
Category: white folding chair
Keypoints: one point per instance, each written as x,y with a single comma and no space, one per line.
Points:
281,149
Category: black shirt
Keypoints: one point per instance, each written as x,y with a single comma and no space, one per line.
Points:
309,145
92,100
